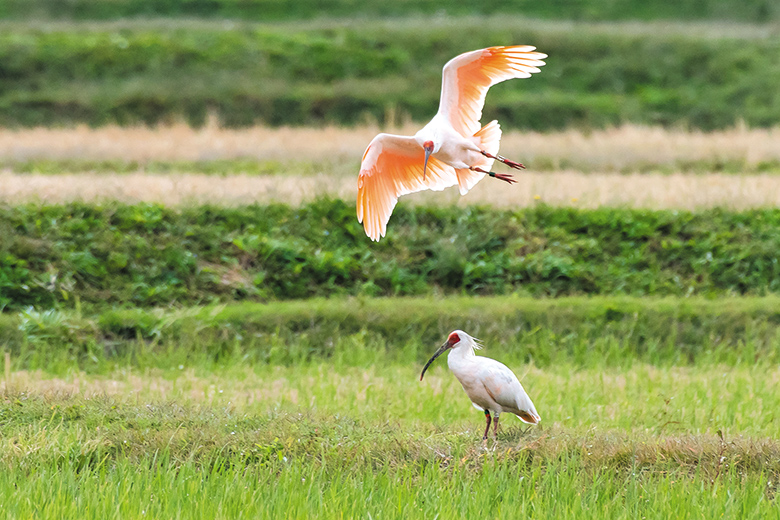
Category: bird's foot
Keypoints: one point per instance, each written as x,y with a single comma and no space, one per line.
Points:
501,176
512,164
509,162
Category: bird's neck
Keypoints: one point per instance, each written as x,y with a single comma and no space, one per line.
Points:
460,356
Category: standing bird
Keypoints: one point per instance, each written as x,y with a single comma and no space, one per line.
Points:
451,149
490,385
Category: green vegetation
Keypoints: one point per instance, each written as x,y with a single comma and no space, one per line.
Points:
335,72
148,255
265,10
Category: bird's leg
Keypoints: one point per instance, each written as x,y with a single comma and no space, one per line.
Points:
503,176
508,162
487,428
495,428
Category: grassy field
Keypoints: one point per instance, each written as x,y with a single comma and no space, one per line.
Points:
359,435
651,407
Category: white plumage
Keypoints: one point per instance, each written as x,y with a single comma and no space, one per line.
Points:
490,385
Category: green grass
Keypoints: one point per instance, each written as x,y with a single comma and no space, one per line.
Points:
291,490
149,255
337,71
349,438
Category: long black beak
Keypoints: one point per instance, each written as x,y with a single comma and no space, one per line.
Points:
425,166
437,354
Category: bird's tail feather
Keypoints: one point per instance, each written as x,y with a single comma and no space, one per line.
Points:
529,417
487,138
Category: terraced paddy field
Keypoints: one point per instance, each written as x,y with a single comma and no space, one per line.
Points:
197,327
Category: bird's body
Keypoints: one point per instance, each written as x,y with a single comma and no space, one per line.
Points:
491,386
453,148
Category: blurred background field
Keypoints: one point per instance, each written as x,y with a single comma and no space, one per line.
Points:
336,71
196,323
727,10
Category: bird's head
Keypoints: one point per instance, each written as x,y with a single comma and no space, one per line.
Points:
428,147
456,339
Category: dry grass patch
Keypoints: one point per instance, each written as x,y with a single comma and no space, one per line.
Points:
562,188
616,149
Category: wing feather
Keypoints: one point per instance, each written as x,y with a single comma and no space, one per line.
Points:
466,79
505,389
393,166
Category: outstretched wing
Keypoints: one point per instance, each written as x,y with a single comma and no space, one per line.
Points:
466,79
393,166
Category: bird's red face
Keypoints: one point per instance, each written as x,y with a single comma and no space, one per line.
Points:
453,339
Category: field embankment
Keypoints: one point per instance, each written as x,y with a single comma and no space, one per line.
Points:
585,332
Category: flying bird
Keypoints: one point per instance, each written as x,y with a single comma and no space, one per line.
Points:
453,148
490,385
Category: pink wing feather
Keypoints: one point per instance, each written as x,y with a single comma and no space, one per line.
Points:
393,166
467,78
